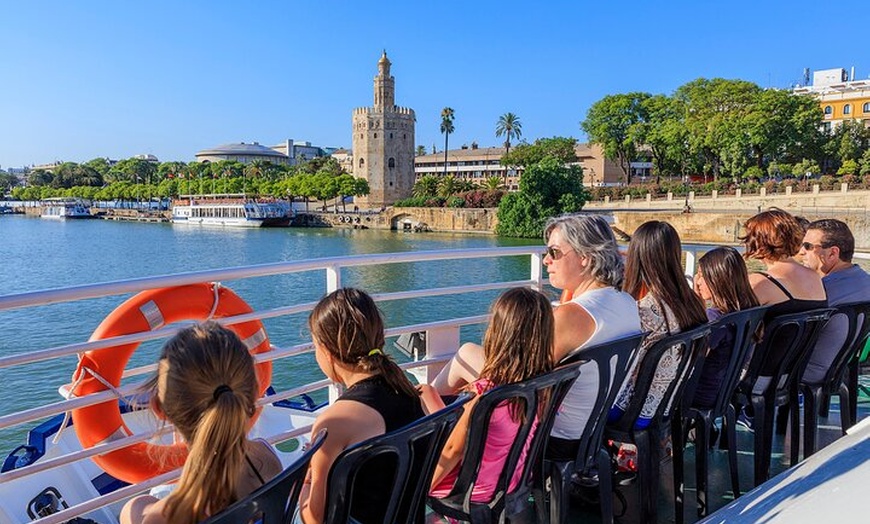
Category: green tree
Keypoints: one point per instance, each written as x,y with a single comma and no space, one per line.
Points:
806,168
560,148
448,186
547,188
510,127
780,122
864,163
446,128
426,186
849,167
100,165
493,183
611,123
421,150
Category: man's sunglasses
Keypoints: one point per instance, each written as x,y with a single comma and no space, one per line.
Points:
808,246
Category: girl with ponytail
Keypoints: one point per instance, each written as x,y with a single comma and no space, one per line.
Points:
348,336
206,387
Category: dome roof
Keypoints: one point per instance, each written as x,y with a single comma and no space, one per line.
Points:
241,148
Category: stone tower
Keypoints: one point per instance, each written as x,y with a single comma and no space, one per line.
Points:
383,143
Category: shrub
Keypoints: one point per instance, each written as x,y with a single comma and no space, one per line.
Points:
455,201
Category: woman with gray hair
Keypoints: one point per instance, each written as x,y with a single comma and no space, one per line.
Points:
583,260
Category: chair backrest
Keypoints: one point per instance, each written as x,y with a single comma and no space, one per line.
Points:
413,450
744,325
549,388
613,360
787,340
275,501
688,348
857,315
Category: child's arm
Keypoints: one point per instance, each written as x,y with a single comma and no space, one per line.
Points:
454,449
464,368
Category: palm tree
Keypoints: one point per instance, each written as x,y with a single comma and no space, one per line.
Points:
510,126
446,128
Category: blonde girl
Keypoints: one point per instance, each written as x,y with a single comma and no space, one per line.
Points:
206,387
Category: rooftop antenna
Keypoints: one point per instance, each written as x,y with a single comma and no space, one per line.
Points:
806,76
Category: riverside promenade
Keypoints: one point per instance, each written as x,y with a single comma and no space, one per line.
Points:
718,219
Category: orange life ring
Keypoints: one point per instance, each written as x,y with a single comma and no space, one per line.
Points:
144,312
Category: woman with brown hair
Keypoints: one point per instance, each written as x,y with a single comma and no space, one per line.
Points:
667,305
774,238
206,387
723,282
348,335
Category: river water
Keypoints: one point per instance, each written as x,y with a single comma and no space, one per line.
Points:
40,254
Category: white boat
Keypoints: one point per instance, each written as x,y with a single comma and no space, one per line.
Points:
231,210
64,209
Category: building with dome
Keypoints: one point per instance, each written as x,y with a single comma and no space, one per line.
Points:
383,143
242,152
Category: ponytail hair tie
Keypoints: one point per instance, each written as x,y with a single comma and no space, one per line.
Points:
375,351
220,390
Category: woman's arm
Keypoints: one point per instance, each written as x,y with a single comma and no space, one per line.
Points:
454,449
430,398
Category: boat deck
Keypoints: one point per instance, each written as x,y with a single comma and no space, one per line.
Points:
719,483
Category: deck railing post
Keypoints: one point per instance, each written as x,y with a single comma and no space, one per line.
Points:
333,282
691,256
538,271
440,342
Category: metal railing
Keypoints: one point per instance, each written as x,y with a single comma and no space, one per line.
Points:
443,339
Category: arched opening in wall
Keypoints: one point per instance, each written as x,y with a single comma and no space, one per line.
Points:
391,163
362,163
847,109
391,136
376,135
829,110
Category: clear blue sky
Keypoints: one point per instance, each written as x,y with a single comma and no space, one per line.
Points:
113,79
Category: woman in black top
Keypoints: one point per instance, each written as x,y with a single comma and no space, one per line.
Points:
348,336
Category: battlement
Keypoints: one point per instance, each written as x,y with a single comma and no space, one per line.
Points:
398,110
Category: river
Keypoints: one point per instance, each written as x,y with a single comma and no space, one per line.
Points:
40,254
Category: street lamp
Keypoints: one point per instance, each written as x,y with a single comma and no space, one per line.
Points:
686,208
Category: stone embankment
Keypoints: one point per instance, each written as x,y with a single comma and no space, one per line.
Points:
719,219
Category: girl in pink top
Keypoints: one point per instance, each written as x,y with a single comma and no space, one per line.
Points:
518,345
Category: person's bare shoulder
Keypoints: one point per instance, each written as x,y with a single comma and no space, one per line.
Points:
349,421
143,509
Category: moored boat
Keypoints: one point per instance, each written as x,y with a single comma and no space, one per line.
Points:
64,209
231,210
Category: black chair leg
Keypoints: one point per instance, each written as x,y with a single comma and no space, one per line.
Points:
647,470
795,416
846,420
678,463
605,486
825,406
853,373
729,433
763,434
702,444
560,478
811,416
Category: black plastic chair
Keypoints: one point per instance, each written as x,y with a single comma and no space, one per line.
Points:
743,326
789,338
690,346
816,396
612,359
412,451
275,501
457,504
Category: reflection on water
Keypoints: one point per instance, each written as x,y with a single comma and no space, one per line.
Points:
39,254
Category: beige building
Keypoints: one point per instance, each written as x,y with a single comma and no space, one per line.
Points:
473,164
383,143
477,164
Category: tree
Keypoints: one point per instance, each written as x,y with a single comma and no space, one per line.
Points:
493,183
421,150
100,165
446,128
510,126
425,187
448,186
560,148
610,123
780,122
547,188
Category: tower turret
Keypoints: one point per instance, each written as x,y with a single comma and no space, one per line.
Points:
385,85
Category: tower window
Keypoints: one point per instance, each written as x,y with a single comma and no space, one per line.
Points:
362,162
867,107
829,110
847,109
391,136
391,163
376,135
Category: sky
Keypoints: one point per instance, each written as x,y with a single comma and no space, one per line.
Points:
87,79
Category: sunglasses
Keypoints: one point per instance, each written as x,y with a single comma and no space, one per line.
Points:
808,246
553,253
